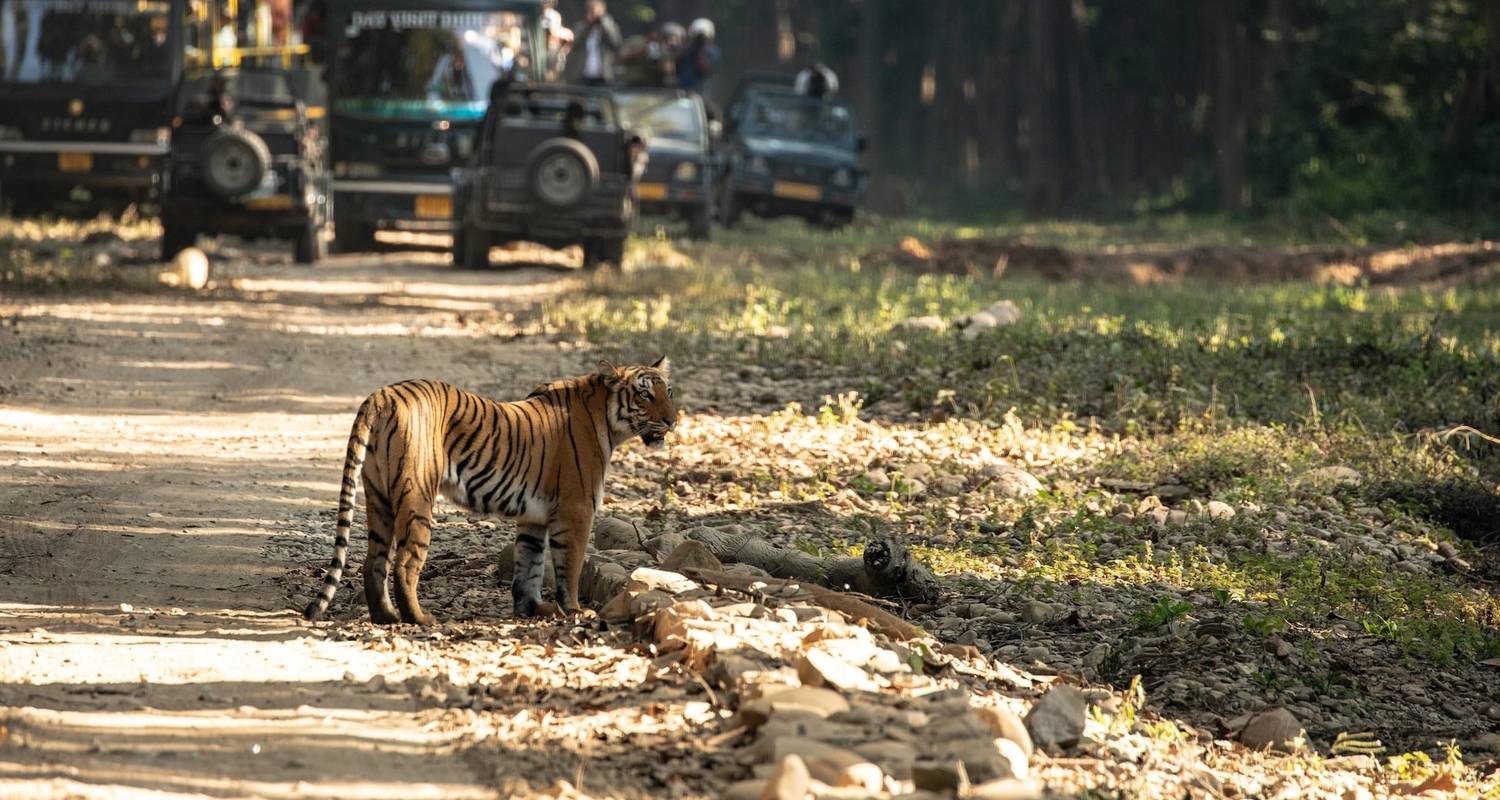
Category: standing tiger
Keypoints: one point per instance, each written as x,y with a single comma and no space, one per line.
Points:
540,461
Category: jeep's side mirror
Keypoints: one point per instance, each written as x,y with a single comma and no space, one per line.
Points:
715,129
861,142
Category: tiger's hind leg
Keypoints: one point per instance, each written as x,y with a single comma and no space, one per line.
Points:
526,585
381,521
414,519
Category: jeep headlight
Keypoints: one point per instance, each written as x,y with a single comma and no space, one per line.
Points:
10,133
685,172
758,164
843,177
161,136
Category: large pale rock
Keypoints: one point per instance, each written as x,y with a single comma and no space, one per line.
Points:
1277,729
1057,718
819,667
646,579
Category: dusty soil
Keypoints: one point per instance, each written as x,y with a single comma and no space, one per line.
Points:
154,446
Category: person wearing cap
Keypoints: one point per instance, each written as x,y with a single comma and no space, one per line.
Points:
817,81
650,60
699,57
559,40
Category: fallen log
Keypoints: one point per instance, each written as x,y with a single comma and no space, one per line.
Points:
849,605
886,570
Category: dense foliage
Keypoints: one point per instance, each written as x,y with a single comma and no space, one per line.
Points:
1332,113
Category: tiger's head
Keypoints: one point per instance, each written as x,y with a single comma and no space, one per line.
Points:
640,401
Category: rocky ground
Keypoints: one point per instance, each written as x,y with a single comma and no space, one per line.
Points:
1110,624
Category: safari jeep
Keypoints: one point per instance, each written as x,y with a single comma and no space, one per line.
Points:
245,160
787,154
678,179
553,166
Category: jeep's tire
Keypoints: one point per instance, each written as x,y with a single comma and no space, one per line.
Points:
603,251
309,247
235,161
729,208
176,238
700,225
561,172
350,236
471,248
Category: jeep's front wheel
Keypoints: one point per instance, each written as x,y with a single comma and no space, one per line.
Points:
603,251
471,248
176,238
700,225
309,247
350,236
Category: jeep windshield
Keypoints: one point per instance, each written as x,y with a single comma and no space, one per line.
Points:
801,118
394,63
657,116
84,41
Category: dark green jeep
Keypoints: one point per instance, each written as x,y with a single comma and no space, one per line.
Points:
245,160
787,154
554,166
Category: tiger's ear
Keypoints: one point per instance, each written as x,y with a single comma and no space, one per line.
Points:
663,365
611,374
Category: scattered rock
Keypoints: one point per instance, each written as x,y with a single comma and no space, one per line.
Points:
1337,475
1171,491
1057,718
932,323
614,533
1217,509
1009,481
819,667
189,270
691,555
1004,724
1038,613
949,485
645,579
1276,729
789,781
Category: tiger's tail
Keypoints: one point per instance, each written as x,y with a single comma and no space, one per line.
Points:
354,460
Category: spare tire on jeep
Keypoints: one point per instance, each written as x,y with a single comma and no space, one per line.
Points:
235,161
561,172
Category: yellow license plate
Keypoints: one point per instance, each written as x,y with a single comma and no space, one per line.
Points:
75,162
797,191
434,206
652,191
276,202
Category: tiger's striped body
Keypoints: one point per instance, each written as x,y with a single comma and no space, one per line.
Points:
541,461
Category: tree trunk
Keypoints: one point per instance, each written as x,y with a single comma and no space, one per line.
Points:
1043,167
1226,37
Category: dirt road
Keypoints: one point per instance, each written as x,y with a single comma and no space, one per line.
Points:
153,448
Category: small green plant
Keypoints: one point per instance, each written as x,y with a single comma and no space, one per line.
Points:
1263,625
1162,612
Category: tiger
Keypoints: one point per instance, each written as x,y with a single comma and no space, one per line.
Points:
540,461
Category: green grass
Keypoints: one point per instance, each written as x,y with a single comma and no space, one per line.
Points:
1232,390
